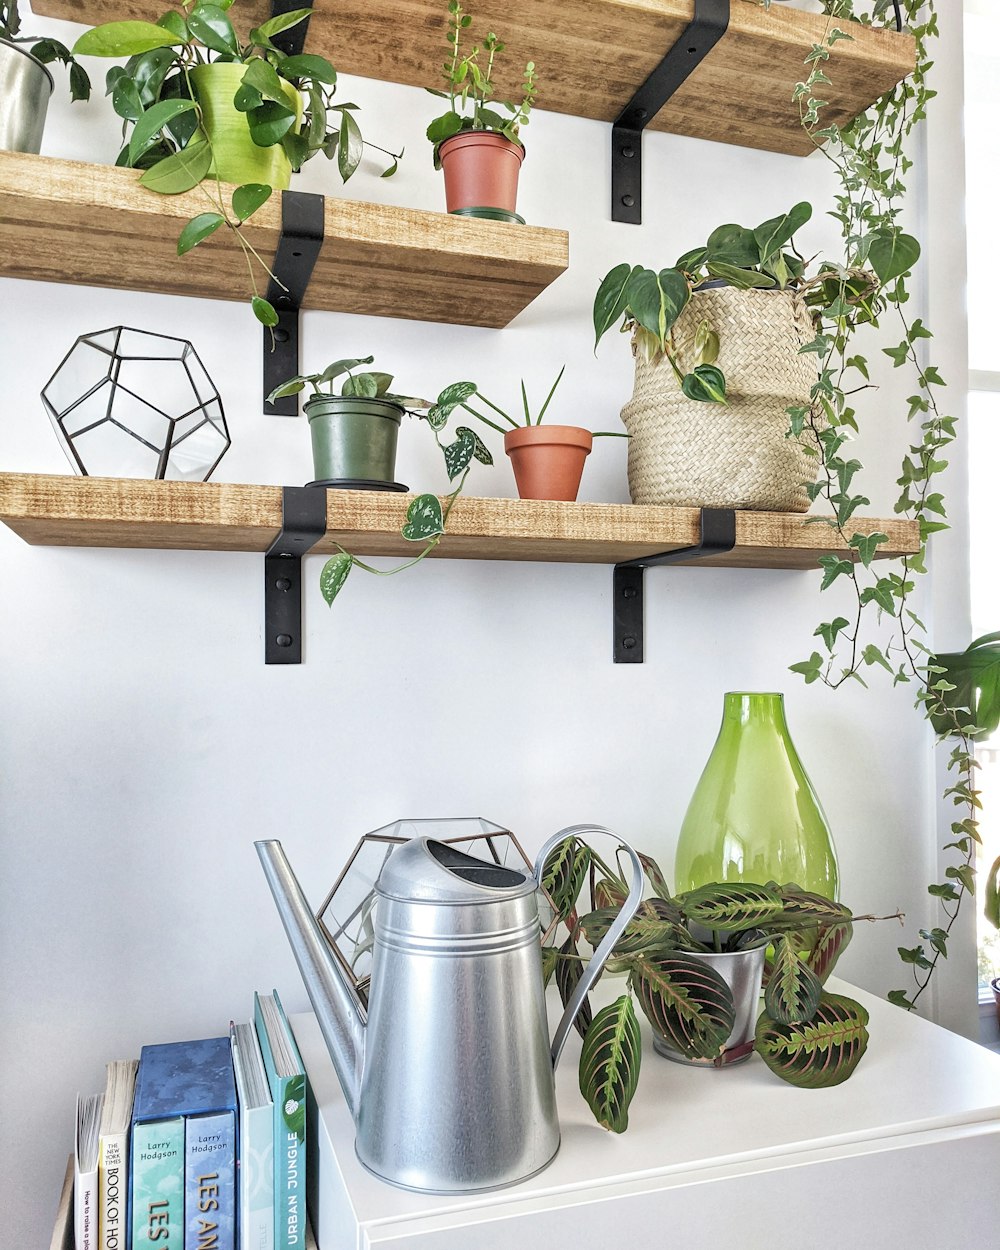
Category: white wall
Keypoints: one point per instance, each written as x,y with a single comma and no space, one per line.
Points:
145,745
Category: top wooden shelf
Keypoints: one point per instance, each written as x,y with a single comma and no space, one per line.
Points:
214,516
65,221
592,55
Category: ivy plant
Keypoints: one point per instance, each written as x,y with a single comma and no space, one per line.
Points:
426,516
805,1034
880,631
163,122
468,78
45,50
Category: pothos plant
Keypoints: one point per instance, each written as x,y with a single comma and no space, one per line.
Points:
44,50
805,1035
468,80
426,516
287,100
880,630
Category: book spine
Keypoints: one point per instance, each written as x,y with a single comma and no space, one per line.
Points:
256,1169
113,1189
85,1207
289,1163
210,1181
158,1184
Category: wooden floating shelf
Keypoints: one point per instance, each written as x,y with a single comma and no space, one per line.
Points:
592,55
215,516
65,221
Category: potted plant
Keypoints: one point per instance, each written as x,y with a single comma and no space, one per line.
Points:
354,446
730,324
476,141
203,105
547,462
694,964
25,83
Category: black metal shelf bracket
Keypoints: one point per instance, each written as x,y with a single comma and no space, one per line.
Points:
303,524
290,41
298,247
717,535
711,19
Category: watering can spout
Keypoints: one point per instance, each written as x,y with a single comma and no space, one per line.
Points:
341,1017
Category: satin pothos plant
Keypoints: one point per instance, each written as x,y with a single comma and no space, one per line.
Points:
805,1035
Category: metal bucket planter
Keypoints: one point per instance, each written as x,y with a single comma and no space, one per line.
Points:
683,452
743,972
25,87
353,439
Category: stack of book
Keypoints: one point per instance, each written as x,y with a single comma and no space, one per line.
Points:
199,1145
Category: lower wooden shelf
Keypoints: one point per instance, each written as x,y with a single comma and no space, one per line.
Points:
67,511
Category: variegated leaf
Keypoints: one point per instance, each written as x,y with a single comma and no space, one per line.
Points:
731,906
609,1064
819,1052
827,944
609,892
564,873
644,931
550,961
568,973
685,1000
655,877
793,989
802,906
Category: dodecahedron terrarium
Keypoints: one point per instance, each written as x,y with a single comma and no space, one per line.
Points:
346,914
130,403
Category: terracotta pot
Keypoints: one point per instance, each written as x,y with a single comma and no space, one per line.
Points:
548,459
480,170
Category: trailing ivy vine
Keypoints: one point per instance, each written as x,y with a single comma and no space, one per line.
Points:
881,630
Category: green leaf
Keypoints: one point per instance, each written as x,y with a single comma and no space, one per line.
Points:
656,300
424,519
732,245
706,383
175,23
181,171
817,1053
148,128
264,311
655,877
198,228
284,21
733,906
830,629
793,989
317,68
685,1000
826,945
810,669
892,254
248,198
270,122
564,873
361,385
120,39
209,23
458,455
867,545
480,451
444,127
569,970
609,1064
611,300
991,905
834,567
262,77
742,279
340,367
771,236
125,99
351,147
334,574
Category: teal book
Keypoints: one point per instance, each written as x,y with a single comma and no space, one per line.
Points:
179,1085
255,1158
287,1079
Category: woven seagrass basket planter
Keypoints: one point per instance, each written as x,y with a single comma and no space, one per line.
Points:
683,452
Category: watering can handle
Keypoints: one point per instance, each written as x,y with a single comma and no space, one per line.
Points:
600,957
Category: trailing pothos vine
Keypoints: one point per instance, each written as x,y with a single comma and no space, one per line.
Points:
870,158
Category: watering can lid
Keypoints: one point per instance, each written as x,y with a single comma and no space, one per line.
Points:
426,871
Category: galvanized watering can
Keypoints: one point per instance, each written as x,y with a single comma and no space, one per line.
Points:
448,1072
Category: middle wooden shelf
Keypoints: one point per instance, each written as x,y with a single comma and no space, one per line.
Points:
66,221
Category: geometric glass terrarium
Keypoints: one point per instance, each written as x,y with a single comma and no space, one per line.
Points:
130,403
346,914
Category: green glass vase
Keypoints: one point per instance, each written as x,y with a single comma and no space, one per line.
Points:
754,815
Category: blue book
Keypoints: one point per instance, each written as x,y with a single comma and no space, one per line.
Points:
287,1078
179,1087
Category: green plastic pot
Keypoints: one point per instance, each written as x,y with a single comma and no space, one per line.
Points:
237,158
353,438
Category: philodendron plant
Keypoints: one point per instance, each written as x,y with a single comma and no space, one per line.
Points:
42,49
805,1035
647,302
426,517
163,121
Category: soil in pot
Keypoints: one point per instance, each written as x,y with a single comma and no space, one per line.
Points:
480,171
237,158
353,438
548,460
25,87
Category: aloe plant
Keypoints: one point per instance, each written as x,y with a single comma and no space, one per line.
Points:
805,1035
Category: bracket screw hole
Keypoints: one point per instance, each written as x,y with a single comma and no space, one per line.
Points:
283,583
284,640
628,642
281,336
628,200
628,153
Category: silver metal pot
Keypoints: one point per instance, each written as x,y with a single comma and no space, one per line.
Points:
25,87
743,972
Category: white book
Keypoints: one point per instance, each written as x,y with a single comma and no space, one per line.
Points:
112,1168
255,1167
85,1203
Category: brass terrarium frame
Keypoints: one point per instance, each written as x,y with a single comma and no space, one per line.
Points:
351,936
